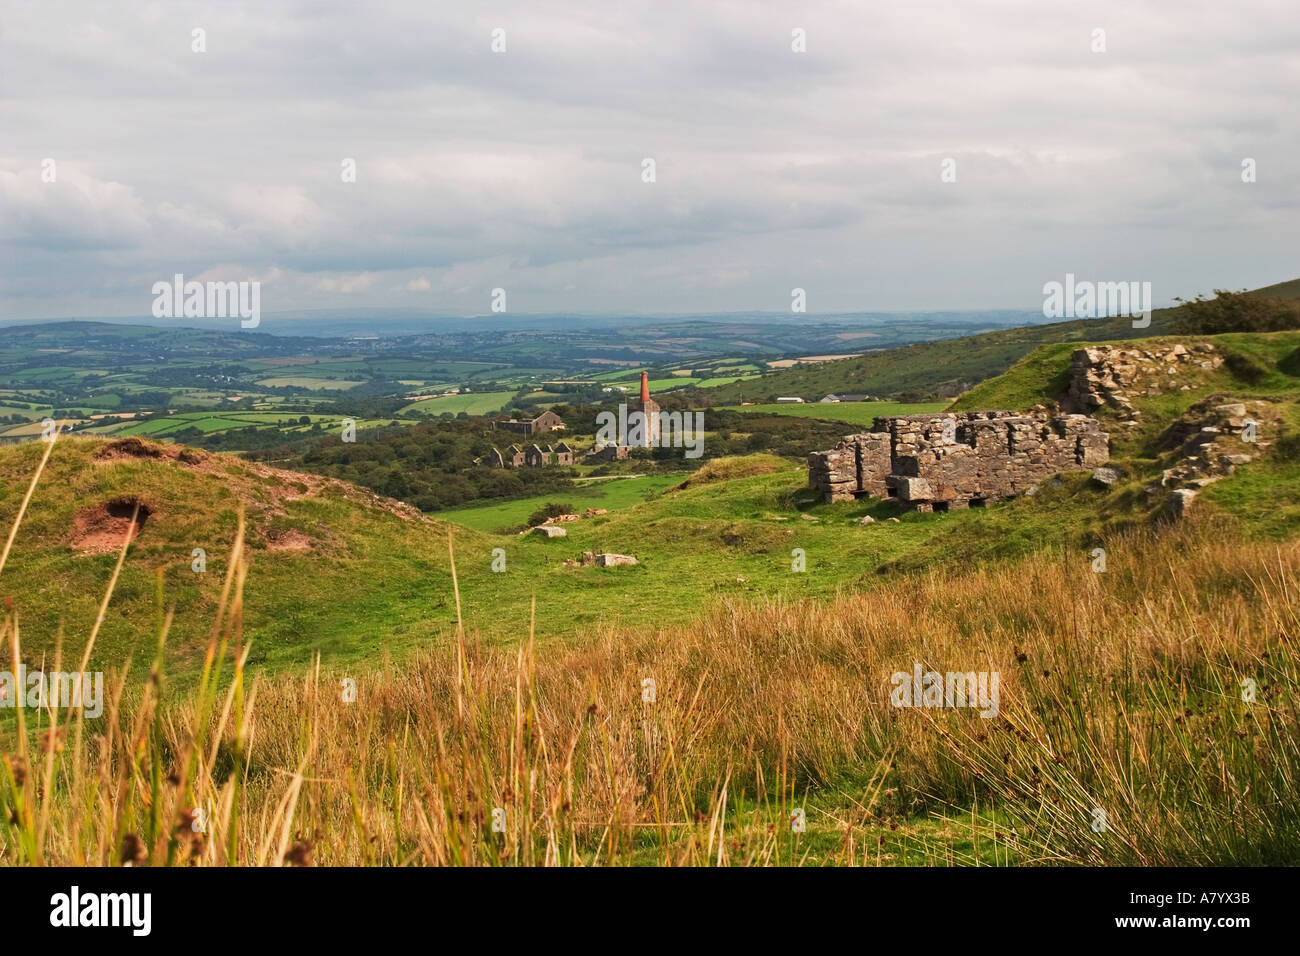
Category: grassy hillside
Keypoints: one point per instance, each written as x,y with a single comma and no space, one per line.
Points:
949,366
700,745
1262,370
852,413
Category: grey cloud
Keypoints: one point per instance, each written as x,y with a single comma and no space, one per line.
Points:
774,169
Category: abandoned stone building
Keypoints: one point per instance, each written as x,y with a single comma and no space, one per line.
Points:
609,453
534,456
528,427
955,460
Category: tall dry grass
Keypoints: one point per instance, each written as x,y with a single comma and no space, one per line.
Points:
1120,691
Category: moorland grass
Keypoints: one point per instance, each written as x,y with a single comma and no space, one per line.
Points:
1122,692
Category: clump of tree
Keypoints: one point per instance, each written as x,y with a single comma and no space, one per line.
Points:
1234,312
430,466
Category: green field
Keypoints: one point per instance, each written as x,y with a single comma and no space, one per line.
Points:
855,413
216,422
612,494
304,381
475,403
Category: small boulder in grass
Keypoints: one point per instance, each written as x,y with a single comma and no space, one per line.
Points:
614,560
1106,476
866,519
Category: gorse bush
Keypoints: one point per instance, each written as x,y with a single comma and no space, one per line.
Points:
1234,312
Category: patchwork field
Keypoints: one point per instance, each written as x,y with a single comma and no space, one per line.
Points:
215,423
853,413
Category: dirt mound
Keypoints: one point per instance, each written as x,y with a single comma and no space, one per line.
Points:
129,448
132,448
102,528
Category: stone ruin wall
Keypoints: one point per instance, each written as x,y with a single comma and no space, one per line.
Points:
1113,375
957,459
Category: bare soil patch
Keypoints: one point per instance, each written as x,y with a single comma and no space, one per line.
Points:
102,528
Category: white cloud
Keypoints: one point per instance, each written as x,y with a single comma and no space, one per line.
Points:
522,170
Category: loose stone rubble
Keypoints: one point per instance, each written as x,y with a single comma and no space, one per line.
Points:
1208,446
956,460
1112,375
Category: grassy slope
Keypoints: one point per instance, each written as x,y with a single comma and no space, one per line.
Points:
367,585
930,365
608,494
377,583
853,413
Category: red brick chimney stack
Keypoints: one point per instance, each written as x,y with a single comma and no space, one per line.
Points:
645,388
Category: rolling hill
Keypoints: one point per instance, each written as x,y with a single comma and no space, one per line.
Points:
950,366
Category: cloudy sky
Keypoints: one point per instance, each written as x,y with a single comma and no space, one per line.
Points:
522,169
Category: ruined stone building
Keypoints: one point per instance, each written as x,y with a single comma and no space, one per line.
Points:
955,460
609,453
545,422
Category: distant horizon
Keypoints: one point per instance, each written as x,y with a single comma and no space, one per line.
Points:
399,323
